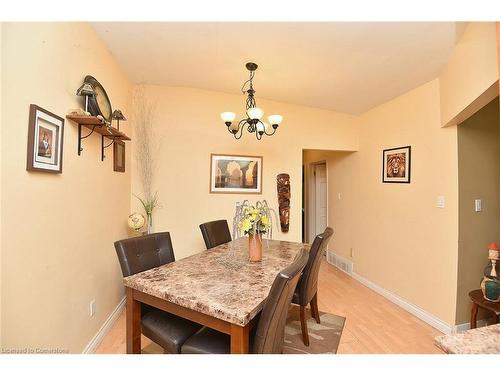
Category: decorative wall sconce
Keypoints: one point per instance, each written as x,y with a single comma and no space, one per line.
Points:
254,113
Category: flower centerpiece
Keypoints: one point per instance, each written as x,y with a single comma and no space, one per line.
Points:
254,223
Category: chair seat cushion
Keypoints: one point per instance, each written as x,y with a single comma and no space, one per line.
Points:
296,298
167,330
207,341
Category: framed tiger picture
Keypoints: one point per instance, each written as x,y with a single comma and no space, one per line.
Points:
397,165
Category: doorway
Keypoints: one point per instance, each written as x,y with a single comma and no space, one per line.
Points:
316,200
478,140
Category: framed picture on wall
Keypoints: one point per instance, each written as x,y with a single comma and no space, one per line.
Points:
119,156
45,141
397,165
238,174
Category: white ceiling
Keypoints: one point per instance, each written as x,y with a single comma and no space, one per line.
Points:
343,66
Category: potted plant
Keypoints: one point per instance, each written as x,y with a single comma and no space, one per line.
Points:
254,223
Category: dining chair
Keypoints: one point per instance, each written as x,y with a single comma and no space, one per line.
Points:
139,254
269,334
306,291
215,233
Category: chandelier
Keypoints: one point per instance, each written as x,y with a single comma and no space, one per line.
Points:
254,114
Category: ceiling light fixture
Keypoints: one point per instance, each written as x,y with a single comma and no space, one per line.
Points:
254,114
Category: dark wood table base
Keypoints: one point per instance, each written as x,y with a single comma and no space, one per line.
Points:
239,334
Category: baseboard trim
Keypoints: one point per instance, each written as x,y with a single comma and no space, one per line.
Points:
404,304
465,326
105,328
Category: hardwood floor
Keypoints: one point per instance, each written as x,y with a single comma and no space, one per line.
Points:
373,324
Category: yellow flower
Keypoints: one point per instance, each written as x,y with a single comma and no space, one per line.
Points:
265,221
246,224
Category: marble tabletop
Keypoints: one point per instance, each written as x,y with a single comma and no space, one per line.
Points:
484,340
219,282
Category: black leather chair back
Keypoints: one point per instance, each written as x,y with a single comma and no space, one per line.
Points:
308,283
270,332
215,233
142,253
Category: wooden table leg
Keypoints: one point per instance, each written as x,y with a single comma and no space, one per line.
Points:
240,338
473,316
133,315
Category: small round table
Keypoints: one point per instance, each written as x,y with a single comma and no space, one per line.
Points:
478,300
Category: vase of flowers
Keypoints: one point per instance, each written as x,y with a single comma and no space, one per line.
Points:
149,204
254,223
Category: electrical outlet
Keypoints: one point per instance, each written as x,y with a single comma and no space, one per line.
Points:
352,252
340,196
92,307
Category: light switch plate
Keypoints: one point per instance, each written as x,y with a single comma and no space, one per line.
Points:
478,205
440,201
92,308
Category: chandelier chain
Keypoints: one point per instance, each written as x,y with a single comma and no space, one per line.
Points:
243,90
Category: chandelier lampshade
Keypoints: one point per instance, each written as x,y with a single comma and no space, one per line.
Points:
260,128
255,113
275,120
253,122
228,116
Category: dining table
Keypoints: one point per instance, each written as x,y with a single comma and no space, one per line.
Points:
219,288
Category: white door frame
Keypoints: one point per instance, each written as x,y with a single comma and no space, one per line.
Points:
310,216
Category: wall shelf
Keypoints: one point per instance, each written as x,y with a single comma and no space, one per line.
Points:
95,125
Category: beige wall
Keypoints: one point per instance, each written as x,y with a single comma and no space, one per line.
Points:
471,69
395,231
58,230
498,48
188,122
1,176
479,178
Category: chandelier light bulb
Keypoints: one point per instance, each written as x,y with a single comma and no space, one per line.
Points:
261,127
275,120
228,116
255,113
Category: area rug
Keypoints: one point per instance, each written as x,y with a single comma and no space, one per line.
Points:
324,338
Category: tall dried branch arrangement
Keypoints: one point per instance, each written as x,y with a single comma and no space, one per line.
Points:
146,147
